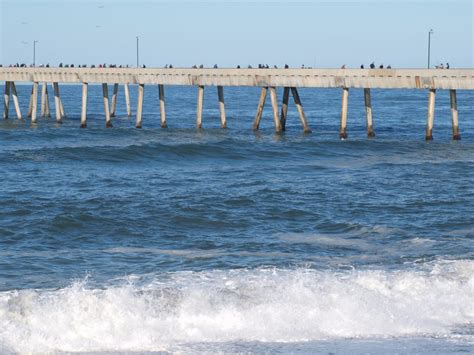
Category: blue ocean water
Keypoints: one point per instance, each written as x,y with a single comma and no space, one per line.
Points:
231,241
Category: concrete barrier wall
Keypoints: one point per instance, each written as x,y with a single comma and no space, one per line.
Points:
458,79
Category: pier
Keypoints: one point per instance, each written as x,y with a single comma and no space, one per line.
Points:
269,80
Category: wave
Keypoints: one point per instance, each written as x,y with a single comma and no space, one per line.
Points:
260,305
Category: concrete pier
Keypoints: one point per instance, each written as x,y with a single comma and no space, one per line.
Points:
220,94
6,100
161,95
105,94
299,107
45,112
16,102
57,103
368,113
267,79
454,114
141,97
200,102
284,107
34,102
114,100
431,112
126,91
345,102
85,87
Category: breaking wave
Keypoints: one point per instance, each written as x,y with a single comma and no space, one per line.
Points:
259,305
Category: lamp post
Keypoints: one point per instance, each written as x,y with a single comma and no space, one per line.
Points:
34,52
429,46
138,62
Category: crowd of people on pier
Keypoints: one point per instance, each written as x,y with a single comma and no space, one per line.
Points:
201,66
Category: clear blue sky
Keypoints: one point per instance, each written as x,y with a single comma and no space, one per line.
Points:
314,33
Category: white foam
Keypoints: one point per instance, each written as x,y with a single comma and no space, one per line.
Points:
266,305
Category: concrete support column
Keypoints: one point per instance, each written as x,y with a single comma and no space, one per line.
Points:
127,100
30,106
141,96
16,102
200,102
431,111
220,94
6,100
114,101
299,107
261,105
161,94
57,103
284,107
34,102
368,113
84,105
276,116
105,94
454,114
345,101
45,112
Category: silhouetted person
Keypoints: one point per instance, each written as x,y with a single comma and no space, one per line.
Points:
343,66
286,66
215,66
201,66
447,65
381,66
60,65
389,66
372,65
238,66
362,66
171,66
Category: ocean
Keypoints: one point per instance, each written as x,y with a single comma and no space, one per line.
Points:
180,240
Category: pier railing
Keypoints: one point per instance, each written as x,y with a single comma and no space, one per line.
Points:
267,79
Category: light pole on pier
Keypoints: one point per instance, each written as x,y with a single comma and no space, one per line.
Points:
138,62
34,52
429,46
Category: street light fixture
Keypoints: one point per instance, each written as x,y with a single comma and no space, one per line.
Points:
34,52
429,46
138,62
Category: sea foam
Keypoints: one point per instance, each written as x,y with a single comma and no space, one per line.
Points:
258,305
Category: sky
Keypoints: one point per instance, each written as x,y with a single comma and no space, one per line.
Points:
315,33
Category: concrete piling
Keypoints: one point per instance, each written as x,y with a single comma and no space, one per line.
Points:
220,94
30,105
45,112
6,100
431,111
141,95
276,116
284,107
454,115
16,102
261,105
299,107
34,102
127,100
114,100
105,94
368,113
57,103
200,102
345,101
161,94
84,105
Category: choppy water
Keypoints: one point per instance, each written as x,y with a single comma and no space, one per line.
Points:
232,241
